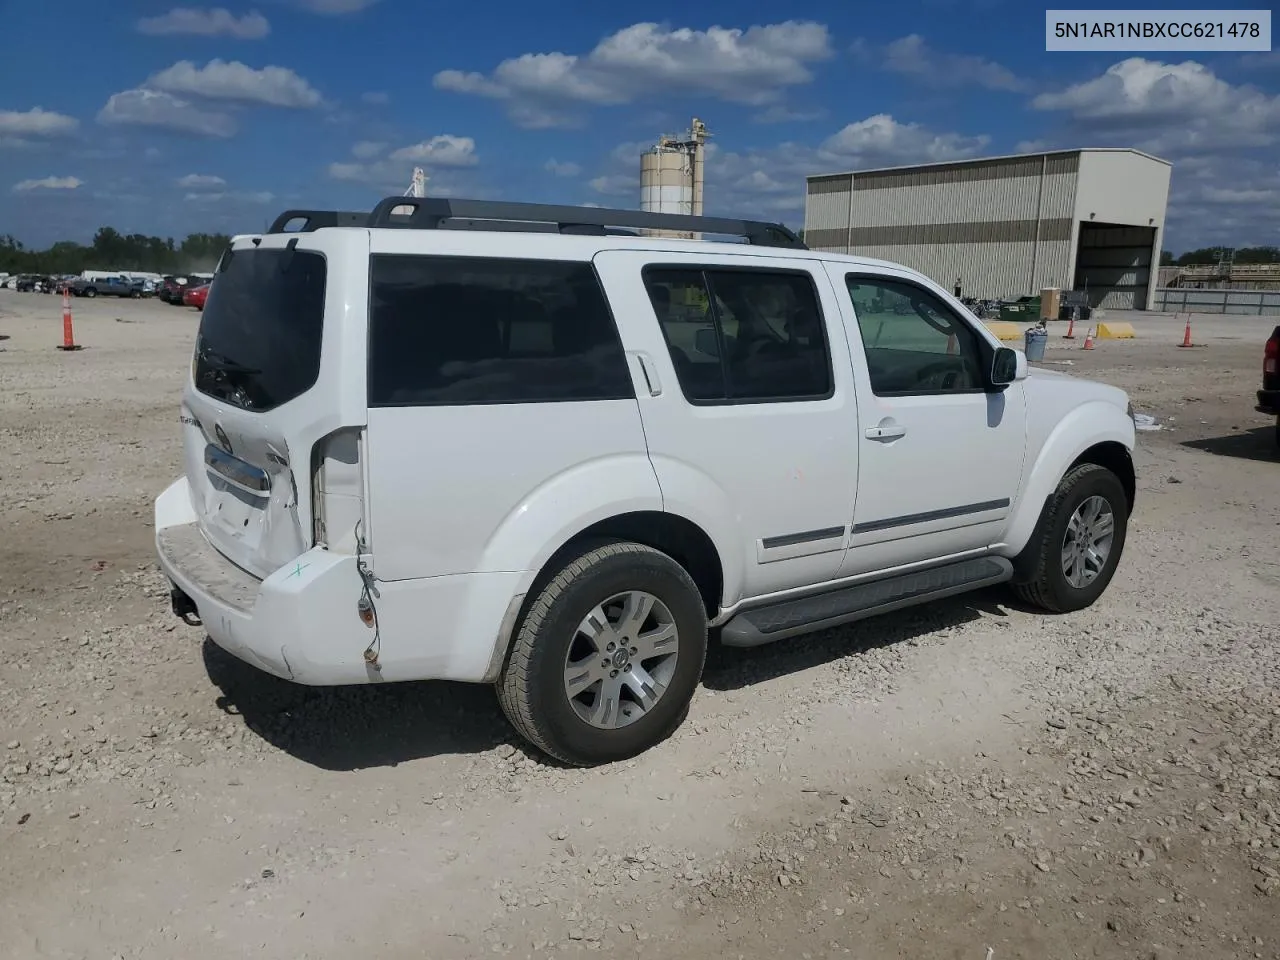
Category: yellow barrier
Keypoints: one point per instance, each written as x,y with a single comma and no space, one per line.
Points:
1005,330
1116,331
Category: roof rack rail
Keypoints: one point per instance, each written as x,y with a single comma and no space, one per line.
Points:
434,213
315,219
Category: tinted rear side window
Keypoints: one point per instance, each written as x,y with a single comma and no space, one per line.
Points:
475,330
262,328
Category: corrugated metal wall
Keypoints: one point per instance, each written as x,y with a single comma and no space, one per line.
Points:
998,225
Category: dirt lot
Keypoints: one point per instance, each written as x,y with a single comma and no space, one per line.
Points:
968,780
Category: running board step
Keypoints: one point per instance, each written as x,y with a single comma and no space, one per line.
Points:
760,625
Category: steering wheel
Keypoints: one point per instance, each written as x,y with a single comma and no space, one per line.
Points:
938,376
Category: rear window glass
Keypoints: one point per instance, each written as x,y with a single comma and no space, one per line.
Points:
475,330
261,329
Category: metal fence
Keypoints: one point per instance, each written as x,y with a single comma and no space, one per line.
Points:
1252,303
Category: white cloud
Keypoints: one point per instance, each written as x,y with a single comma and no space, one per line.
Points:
234,196
911,56
770,182
778,113
36,122
376,97
751,66
1032,146
333,8
348,171
444,150
883,141
1168,108
201,22
152,108
562,169
367,149
48,183
1223,200
444,156
234,81
616,185
201,181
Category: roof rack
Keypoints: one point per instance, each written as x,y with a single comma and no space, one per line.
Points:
315,219
439,213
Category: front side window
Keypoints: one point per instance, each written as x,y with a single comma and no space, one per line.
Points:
914,344
740,336
478,330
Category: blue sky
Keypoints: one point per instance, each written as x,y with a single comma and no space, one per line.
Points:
167,118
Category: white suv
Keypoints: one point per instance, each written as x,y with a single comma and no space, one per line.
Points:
516,444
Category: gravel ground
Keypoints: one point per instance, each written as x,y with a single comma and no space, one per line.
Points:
970,779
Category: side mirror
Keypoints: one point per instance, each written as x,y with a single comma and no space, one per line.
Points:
1008,366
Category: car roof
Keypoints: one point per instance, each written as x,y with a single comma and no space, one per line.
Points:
510,243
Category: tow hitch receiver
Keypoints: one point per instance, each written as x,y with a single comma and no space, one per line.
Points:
184,607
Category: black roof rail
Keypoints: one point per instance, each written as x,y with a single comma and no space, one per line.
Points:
435,213
315,219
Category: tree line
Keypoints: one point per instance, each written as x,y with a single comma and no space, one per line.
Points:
1211,255
112,250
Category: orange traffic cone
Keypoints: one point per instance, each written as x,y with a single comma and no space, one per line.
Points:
1088,340
1186,334
1071,328
68,334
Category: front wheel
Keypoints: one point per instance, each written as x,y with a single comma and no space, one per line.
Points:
91,292
1078,542
608,656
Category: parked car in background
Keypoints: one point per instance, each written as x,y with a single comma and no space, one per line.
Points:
170,289
196,296
34,283
1269,395
107,287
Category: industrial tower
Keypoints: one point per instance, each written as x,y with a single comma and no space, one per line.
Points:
672,174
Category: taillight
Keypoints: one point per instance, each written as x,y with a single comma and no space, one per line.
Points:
337,493
1271,355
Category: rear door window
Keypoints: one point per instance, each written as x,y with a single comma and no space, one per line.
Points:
478,330
262,328
742,335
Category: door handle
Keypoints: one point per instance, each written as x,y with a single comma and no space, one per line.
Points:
887,432
649,371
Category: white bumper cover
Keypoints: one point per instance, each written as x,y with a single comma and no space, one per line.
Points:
300,623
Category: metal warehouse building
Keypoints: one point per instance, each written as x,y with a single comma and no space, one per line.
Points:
1089,219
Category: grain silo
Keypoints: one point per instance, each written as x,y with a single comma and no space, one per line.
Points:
672,174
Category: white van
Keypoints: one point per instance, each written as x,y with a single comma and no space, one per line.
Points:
502,443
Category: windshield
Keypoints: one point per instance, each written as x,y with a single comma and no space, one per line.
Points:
261,330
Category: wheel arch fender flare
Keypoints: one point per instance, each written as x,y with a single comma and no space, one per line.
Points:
1084,428
531,536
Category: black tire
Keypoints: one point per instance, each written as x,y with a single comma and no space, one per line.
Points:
1047,586
531,688
91,292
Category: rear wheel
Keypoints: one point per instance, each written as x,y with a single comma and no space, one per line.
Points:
91,292
1078,542
608,656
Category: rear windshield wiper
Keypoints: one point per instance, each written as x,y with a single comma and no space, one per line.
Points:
222,362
